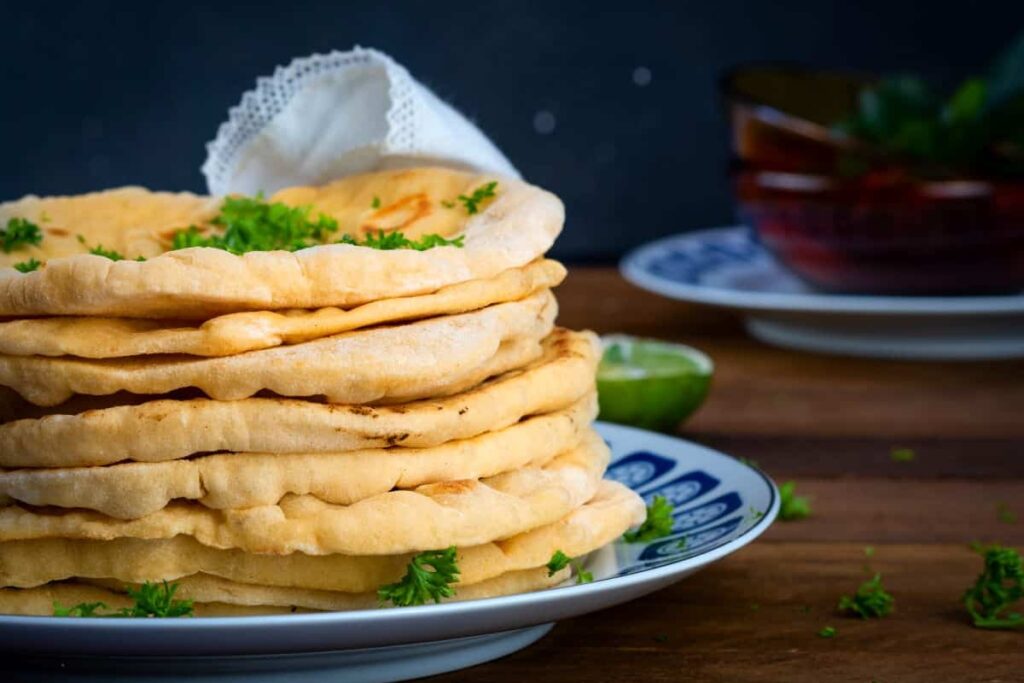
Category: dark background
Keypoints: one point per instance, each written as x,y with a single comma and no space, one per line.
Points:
102,94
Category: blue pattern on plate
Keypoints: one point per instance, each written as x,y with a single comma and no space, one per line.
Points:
689,262
705,515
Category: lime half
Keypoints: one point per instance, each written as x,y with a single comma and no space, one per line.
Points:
651,384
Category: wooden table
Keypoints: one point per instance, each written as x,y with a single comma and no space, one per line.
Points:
828,423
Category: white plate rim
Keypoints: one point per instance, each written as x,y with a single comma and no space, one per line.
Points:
632,267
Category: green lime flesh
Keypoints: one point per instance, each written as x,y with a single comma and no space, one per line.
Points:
651,384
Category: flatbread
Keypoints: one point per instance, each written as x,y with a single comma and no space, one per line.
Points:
434,357
170,429
217,597
244,480
239,332
24,564
513,229
459,513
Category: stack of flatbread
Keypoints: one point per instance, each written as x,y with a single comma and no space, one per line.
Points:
287,430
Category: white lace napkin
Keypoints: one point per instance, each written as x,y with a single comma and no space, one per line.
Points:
326,116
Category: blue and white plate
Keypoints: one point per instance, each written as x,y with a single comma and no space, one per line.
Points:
720,503
727,267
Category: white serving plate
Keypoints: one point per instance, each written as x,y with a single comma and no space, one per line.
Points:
721,505
727,267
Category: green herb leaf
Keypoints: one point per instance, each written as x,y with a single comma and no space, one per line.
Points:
428,577
82,609
792,506
28,266
658,522
19,232
828,632
558,562
870,601
387,241
999,586
375,204
151,600
156,600
582,575
107,253
251,224
478,197
902,454
447,204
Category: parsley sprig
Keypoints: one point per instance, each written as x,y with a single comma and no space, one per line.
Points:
150,600
428,577
870,601
19,232
792,506
252,224
657,524
480,195
387,241
997,588
560,561
28,266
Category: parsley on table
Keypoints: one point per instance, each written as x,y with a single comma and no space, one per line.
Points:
997,588
657,524
828,632
149,600
870,601
792,506
28,266
902,455
251,224
428,577
387,241
19,232
481,194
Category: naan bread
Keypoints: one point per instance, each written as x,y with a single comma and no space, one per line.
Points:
239,332
433,357
24,564
513,229
244,480
217,597
170,429
459,513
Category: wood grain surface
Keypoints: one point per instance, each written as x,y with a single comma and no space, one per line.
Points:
829,423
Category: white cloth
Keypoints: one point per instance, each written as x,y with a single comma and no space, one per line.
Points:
326,116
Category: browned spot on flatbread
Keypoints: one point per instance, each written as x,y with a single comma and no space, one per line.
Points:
454,487
400,214
57,232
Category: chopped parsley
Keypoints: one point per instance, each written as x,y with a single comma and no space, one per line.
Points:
386,241
111,254
252,224
657,524
827,632
375,204
792,506
149,600
560,561
428,577
19,232
999,586
28,266
870,601
902,455
448,204
479,196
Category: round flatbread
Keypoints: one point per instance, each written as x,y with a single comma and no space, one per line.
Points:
169,429
510,230
240,332
434,357
459,513
25,564
245,480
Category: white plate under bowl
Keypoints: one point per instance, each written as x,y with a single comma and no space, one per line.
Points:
727,267
721,505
